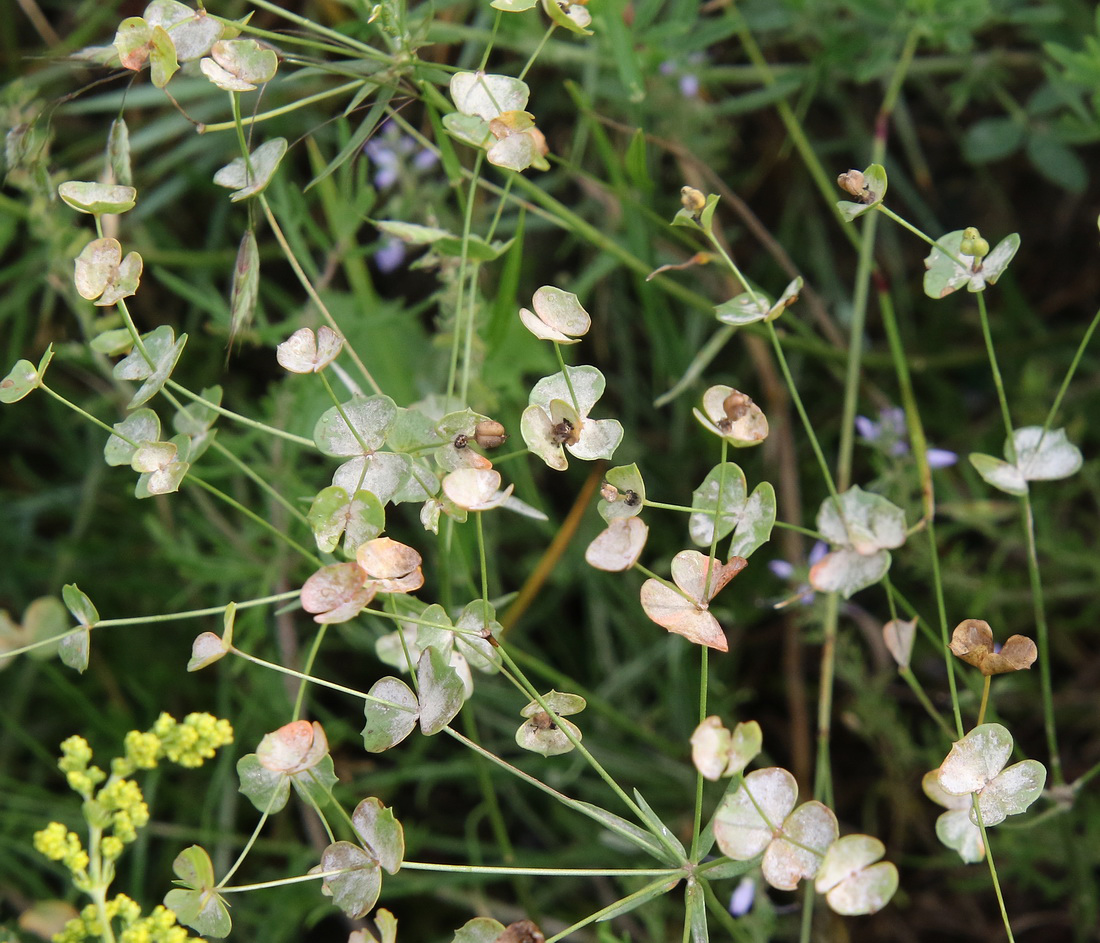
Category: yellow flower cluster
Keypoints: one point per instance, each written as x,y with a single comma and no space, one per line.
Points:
59,844
122,800
194,740
159,927
75,757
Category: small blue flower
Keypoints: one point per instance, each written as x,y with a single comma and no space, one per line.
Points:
688,81
390,151
741,900
390,255
889,437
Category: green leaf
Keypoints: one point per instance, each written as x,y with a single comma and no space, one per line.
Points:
755,524
629,498
264,162
575,19
718,501
479,930
441,691
513,6
164,351
74,650
356,891
97,198
875,183
23,378
993,139
696,912
632,833
657,827
487,95
140,426
1044,456
1002,475
239,65
651,891
380,832
862,520
946,275
266,789
199,906
847,571
163,63
79,605
370,418
392,717
314,785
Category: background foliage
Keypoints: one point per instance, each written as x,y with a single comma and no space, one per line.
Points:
996,127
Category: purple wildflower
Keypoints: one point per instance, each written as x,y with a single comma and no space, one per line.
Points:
741,900
390,151
390,255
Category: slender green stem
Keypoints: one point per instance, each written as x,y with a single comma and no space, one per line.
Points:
918,689
534,55
260,481
1056,405
92,419
220,887
732,266
312,26
823,779
697,820
256,518
540,872
992,868
797,400
577,745
985,700
307,668
568,380
243,420
642,894
312,679
1042,631
248,120
303,279
344,416
463,276
998,382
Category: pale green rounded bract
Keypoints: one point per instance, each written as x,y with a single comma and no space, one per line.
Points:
246,182
391,713
946,275
627,494
163,350
442,692
369,417
356,890
619,546
851,881
97,199
1040,455
748,429
487,96
193,32
23,378
380,832
975,766
875,184
198,904
239,65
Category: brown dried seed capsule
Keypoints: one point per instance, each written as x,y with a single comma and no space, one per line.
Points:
522,931
542,721
609,492
693,200
563,433
854,183
461,441
632,499
490,434
736,406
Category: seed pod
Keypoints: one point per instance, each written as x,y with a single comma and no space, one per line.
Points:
736,405
853,183
490,434
609,492
563,433
973,244
693,200
461,441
